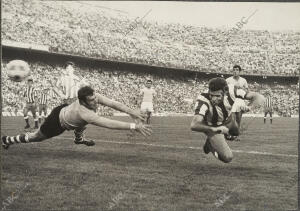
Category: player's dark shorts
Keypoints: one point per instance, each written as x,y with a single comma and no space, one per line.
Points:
268,111
30,107
51,126
43,107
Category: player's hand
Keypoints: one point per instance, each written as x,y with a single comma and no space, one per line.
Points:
136,114
145,130
221,129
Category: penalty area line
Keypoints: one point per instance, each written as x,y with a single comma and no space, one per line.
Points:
181,147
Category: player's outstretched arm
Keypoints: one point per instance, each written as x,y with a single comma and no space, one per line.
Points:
199,126
119,125
120,107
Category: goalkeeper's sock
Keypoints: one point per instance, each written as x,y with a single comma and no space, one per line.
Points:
9,140
271,120
264,120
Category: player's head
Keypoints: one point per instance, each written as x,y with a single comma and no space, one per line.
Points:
46,89
236,70
70,67
29,81
87,97
217,89
148,83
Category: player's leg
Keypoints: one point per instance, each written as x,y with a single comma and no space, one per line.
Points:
265,117
217,145
40,113
233,126
36,120
79,137
50,127
26,117
271,119
149,112
44,112
148,117
144,110
36,136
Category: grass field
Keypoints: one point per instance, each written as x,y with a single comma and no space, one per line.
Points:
167,171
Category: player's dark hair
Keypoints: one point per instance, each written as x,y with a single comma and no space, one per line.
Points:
149,81
218,83
83,92
237,66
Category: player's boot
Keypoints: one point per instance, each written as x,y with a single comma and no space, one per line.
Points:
4,145
85,142
206,147
27,126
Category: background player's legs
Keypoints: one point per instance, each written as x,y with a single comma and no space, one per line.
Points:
265,117
36,136
26,118
40,113
219,147
148,117
271,120
36,121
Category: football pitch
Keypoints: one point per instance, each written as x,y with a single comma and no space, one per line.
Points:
167,171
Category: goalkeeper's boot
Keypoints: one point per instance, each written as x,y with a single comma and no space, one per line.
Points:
85,142
4,145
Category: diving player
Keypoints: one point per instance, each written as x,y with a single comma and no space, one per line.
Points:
76,116
216,114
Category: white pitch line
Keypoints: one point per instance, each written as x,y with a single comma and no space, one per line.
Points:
197,148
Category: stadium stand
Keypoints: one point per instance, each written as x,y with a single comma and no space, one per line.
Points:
67,27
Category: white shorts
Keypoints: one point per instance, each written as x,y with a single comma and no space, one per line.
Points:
147,107
238,103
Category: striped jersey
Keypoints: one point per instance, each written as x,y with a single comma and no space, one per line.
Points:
216,115
30,94
44,97
268,102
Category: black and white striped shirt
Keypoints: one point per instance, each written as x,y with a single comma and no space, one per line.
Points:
268,102
216,115
30,94
44,97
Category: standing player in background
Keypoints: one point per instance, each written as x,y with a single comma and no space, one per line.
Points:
43,102
69,83
147,96
216,114
268,107
240,83
236,79
30,95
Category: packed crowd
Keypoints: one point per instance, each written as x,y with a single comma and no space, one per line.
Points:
174,94
67,27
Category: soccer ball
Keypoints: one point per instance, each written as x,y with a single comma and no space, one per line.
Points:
17,70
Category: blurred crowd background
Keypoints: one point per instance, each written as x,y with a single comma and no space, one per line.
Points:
80,29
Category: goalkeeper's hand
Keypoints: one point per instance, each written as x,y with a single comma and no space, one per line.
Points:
145,130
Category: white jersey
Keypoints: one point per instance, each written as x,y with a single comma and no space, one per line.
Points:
240,83
69,84
148,94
